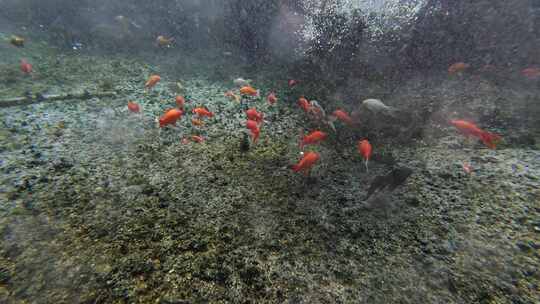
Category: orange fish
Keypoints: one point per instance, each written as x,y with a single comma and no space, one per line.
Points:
312,138
271,98
467,168
531,73
163,41
248,90
170,117
232,96
197,122
252,114
364,148
197,138
292,82
133,107
180,101
304,103
308,160
253,126
471,130
152,81
203,112
343,116
26,67
458,67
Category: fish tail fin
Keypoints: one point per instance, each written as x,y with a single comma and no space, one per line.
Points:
255,136
366,164
295,168
490,139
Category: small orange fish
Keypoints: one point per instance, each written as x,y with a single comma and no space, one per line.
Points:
180,101
197,122
292,82
271,98
152,81
365,149
248,90
467,168
170,117
163,41
253,126
343,116
308,160
458,67
252,114
312,138
304,104
133,107
197,138
203,112
232,96
26,67
531,73
469,129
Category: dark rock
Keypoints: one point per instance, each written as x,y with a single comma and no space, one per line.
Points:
523,246
61,164
412,200
391,181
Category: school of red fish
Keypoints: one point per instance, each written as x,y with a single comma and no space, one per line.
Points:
255,120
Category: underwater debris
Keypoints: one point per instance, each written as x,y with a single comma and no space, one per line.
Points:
17,41
39,97
241,82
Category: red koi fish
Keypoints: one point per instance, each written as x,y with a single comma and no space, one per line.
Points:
304,104
458,67
170,117
26,67
253,126
152,81
292,82
469,129
306,163
271,98
252,114
343,117
248,90
365,149
197,138
133,107
180,101
203,112
531,73
312,138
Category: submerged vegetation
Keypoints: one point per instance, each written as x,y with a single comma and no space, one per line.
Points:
100,205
